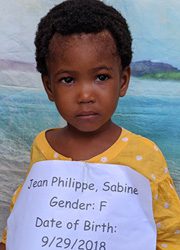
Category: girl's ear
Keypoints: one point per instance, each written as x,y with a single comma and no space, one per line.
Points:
48,87
125,77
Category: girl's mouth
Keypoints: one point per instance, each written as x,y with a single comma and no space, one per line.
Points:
87,114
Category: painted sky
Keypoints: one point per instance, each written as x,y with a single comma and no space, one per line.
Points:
155,28
154,25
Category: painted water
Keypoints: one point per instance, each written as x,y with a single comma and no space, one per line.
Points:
151,109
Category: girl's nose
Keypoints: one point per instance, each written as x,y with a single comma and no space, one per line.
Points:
86,93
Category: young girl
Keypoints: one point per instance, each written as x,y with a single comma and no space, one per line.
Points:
83,52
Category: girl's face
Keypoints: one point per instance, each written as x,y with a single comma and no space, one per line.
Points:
85,79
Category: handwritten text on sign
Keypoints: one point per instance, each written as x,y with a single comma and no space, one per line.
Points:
85,206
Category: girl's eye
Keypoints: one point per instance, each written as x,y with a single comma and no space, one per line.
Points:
67,80
102,77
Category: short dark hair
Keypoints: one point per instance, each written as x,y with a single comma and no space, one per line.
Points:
82,16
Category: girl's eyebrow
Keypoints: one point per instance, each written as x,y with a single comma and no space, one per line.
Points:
102,67
64,71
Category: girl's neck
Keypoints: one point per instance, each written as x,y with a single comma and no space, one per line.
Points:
108,129
83,145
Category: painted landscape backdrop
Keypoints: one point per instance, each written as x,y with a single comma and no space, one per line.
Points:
151,107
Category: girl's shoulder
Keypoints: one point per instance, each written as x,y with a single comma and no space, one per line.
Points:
145,156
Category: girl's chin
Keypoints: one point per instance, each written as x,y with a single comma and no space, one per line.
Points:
89,128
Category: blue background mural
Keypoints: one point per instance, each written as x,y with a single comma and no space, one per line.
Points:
151,107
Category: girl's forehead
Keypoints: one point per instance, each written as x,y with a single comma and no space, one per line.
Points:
101,42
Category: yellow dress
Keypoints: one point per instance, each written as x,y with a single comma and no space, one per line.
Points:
145,157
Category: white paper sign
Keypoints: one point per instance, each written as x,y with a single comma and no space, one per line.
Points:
82,206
